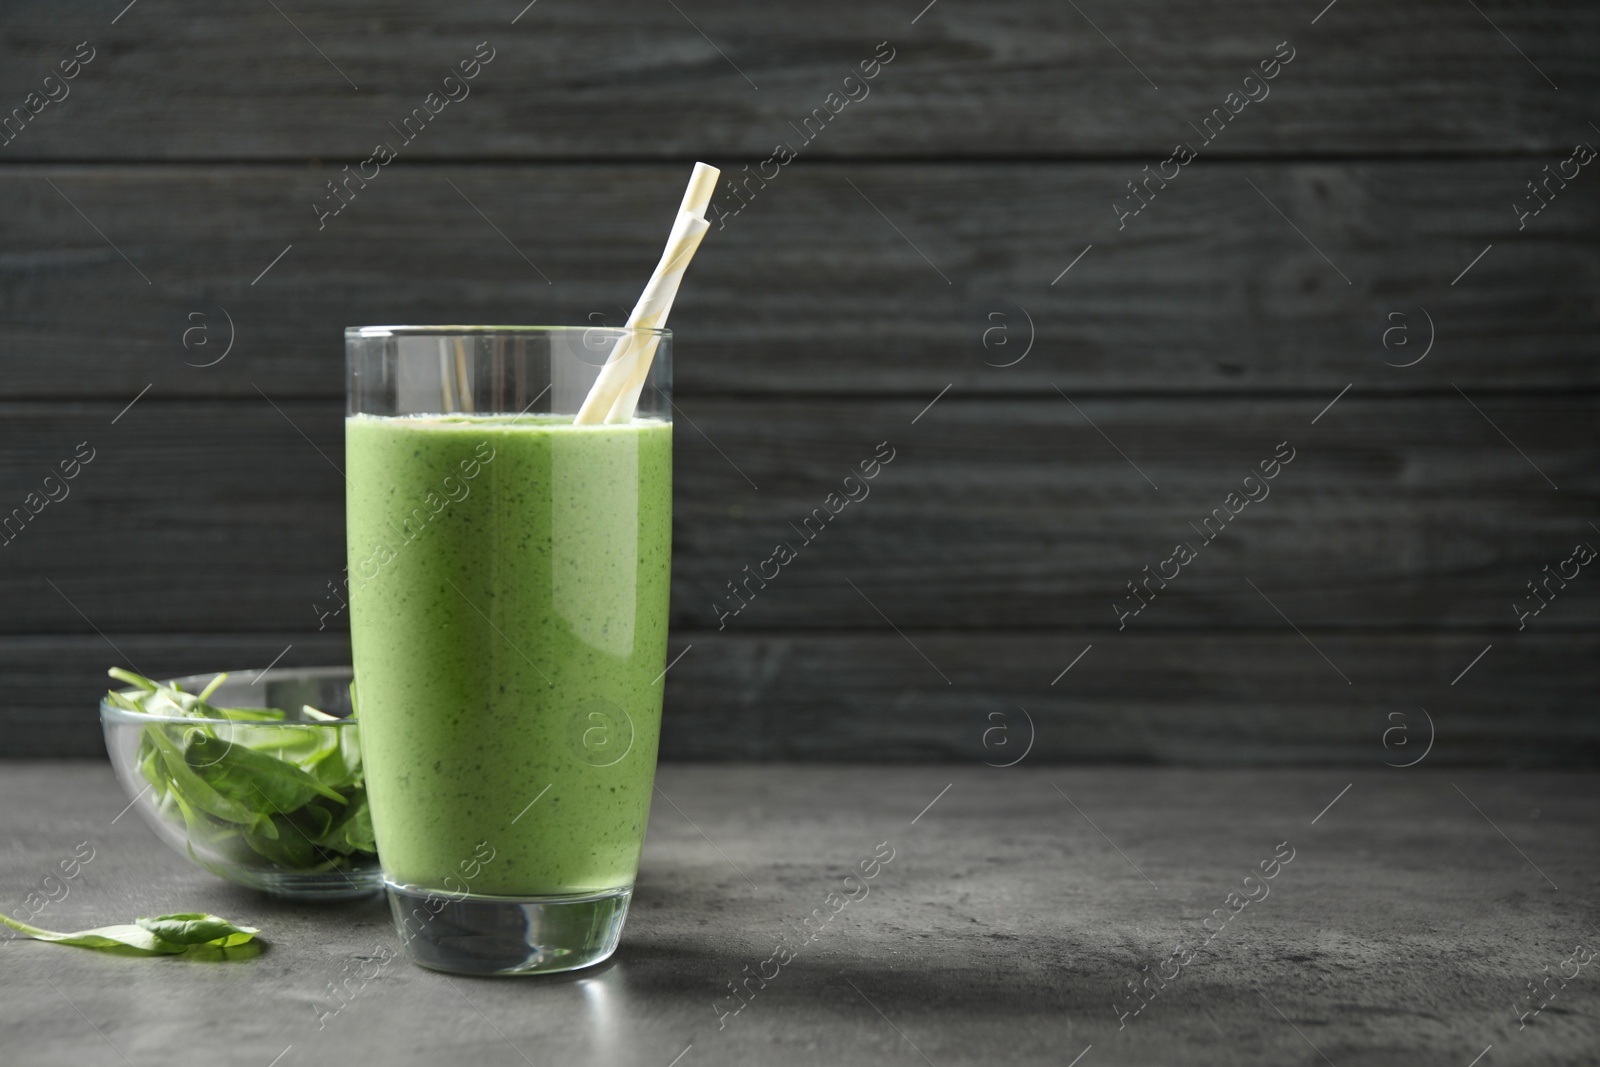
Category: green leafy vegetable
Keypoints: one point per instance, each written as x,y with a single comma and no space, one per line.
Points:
158,699
249,786
182,779
164,935
245,774
197,928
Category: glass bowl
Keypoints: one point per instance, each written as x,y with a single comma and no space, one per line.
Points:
273,802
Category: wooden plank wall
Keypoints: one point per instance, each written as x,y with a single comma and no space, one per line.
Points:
1351,269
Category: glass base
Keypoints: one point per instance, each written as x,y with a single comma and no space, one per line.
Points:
466,933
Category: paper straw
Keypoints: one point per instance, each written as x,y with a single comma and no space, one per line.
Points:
615,393
643,353
697,197
628,358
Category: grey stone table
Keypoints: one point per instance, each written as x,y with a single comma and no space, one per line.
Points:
1415,912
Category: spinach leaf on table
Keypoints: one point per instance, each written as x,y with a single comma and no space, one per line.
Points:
197,928
163,935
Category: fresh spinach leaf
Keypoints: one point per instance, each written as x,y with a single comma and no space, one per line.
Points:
285,845
350,832
197,928
286,794
196,790
251,777
163,935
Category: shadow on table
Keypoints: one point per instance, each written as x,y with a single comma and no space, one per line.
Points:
834,983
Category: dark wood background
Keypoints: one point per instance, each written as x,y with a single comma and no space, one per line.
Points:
920,230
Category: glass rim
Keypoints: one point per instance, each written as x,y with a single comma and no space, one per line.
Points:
193,683
408,330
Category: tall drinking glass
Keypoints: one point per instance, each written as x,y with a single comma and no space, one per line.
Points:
508,576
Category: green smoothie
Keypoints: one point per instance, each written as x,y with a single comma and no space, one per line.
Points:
509,580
